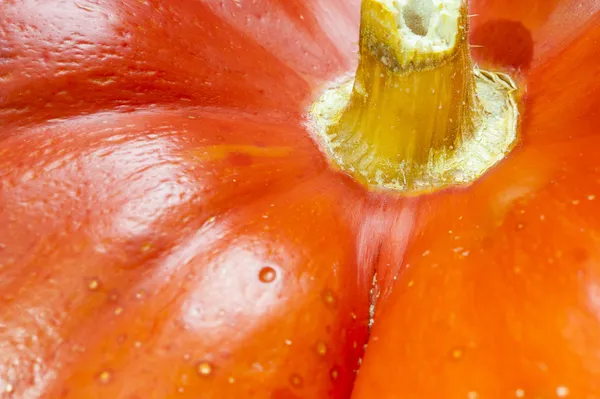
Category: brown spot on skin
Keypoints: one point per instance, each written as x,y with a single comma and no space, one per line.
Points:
240,159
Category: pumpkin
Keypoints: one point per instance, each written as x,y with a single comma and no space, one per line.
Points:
171,226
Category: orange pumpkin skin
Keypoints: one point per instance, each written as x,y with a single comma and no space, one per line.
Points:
169,229
496,295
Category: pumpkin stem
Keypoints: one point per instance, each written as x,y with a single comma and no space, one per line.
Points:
417,116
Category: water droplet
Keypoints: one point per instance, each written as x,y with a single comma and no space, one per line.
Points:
519,393
9,388
184,379
335,374
93,285
411,283
576,202
137,344
591,197
472,395
146,247
140,295
329,298
562,392
258,367
288,342
204,368
267,274
104,377
118,311
457,353
231,380
321,348
296,380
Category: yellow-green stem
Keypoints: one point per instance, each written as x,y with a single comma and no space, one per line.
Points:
417,116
